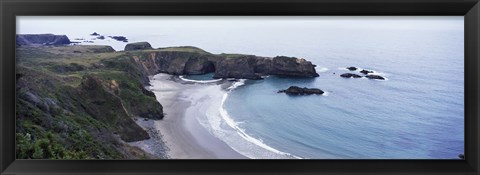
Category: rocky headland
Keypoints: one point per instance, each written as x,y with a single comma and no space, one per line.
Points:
83,100
41,39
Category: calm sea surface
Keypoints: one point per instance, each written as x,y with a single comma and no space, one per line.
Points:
417,113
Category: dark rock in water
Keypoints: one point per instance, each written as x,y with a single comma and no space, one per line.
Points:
119,38
349,75
138,46
366,71
461,156
94,34
42,39
295,90
352,68
377,77
101,37
76,51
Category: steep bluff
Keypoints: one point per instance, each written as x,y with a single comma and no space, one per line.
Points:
86,113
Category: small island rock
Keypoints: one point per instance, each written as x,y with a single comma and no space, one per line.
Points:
377,77
366,71
352,68
119,38
295,90
349,75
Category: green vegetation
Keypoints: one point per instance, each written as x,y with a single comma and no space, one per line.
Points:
78,102
185,49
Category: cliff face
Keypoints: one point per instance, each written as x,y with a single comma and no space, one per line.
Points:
42,39
241,66
86,113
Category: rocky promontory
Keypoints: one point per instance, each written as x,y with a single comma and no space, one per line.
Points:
295,90
192,60
41,39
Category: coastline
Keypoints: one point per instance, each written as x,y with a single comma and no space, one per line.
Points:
182,134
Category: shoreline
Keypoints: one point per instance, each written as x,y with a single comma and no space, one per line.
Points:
182,134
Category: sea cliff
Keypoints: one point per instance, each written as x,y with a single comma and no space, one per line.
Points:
81,102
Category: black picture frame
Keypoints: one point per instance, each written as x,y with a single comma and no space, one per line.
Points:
9,9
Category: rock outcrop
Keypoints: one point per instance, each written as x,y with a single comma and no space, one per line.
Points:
364,71
119,38
41,39
138,46
349,75
295,90
241,67
294,67
376,77
352,68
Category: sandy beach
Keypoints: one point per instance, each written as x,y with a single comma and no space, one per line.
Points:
182,135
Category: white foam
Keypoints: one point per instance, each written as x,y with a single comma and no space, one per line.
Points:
322,69
218,122
199,81
237,84
234,125
326,93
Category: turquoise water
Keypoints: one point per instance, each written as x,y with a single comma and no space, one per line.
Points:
418,113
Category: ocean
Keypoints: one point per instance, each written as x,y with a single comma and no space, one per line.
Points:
417,113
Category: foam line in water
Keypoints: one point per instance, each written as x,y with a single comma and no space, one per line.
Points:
198,81
230,122
326,93
237,84
322,69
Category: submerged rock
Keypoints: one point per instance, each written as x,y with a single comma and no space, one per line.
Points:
366,71
349,75
352,68
138,46
377,77
295,90
94,34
